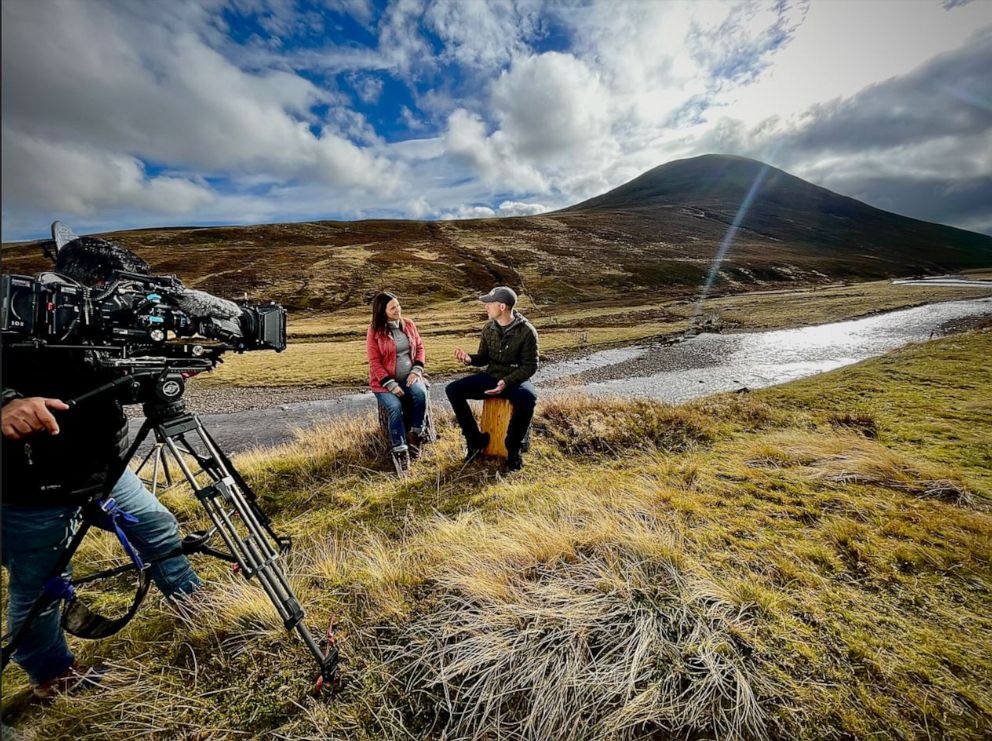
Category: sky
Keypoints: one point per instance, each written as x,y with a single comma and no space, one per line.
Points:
125,113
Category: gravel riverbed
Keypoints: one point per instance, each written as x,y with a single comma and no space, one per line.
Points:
649,358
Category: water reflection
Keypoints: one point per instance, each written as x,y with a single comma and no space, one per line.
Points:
755,360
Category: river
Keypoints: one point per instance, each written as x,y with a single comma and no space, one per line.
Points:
697,366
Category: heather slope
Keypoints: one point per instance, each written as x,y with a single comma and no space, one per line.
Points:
657,235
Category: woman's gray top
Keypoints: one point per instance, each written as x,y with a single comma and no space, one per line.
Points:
404,362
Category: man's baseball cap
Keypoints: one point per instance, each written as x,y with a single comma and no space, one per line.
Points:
500,295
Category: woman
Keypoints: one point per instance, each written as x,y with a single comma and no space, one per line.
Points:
396,368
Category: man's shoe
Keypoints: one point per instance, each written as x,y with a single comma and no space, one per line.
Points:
475,448
77,678
401,461
514,462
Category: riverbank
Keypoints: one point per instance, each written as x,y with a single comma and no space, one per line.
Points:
565,369
329,350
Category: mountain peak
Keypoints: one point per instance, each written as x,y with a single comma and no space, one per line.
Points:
707,179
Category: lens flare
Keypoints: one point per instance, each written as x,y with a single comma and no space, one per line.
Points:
728,239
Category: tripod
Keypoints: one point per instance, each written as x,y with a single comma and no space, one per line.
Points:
251,544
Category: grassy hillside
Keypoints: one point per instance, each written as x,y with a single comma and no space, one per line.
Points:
654,237
809,561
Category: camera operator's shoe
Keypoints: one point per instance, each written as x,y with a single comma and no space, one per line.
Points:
185,606
476,447
77,678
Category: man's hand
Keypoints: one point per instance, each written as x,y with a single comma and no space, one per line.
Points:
462,356
499,388
397,390
22,417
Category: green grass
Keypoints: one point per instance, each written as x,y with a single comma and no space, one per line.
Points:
805,562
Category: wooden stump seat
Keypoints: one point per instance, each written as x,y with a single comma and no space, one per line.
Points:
495,419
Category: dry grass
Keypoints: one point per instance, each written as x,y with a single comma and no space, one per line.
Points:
739,567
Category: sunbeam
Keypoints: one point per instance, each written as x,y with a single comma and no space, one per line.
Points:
728,239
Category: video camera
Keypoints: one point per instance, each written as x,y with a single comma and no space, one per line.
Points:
138,311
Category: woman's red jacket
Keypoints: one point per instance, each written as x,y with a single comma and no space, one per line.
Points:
382,354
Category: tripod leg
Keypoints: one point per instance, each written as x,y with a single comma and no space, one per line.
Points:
240,524
158,458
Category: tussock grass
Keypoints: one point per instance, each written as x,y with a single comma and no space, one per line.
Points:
580,426
603,646
745,566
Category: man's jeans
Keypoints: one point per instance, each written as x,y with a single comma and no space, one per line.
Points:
417,395
522,397
33,540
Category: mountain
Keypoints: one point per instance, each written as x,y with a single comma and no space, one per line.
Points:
654,236
783,208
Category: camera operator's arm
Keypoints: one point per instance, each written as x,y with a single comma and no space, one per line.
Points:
22,417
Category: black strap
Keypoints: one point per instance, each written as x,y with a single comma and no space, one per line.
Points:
82,622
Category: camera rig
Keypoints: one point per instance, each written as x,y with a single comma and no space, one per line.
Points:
134,314
143,330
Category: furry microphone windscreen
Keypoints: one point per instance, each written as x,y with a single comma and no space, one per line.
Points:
91,260
201,304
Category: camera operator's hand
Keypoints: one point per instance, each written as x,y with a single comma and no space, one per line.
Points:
22,417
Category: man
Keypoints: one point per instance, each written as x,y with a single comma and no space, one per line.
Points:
508,349
54,460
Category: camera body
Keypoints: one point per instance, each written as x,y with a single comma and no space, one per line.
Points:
135,312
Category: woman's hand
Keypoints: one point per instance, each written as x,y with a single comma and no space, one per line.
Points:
397,390
462,356
413,379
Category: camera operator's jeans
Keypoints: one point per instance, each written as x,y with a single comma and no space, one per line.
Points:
394,406
522,397
33,540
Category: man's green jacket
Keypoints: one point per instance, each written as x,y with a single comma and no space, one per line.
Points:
509,352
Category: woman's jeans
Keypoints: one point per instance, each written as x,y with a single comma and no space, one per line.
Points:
416,397
33,540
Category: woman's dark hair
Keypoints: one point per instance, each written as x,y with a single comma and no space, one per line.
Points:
379,303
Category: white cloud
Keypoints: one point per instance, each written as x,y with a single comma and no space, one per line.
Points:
369,88
251,130
551,107
518,208
493,157
483,35
468,212
151,88
843,48
81,180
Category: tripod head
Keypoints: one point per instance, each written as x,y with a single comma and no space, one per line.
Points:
157,383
